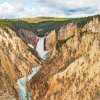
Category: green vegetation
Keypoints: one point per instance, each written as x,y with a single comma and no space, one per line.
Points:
61,42
41,25
4,27
82,33
98,92
42,19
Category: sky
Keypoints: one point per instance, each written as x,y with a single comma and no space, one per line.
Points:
51,8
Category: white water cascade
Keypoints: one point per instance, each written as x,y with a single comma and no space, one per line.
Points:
22,81
40,48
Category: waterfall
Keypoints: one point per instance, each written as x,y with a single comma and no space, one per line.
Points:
22,81
40,48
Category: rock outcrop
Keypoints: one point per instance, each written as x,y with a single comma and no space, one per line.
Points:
6,87
73,72
16,59
28,37
50,40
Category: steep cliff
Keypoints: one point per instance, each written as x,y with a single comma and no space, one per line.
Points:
16,59
50,40
28,37
73,70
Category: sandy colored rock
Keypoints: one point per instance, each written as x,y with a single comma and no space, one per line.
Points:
73,73
16,58
50,40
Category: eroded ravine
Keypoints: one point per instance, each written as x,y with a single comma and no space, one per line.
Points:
22,81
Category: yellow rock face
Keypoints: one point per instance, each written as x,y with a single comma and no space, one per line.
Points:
15,58
50,40
73,73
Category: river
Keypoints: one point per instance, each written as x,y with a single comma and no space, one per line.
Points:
22,81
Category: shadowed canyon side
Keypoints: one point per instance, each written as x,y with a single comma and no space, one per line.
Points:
16,59
28,37
72,72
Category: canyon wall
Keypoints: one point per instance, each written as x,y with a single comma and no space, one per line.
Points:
16,59
50,40
28,37
73,71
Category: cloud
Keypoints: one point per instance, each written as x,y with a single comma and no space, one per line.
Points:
55,8
41,11
75,8
6,9
9,10
69,3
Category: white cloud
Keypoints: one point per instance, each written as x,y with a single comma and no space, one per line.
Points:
70,3
41,11
78,7
56,8
7,9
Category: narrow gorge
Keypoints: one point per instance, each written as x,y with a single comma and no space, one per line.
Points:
22,82
50,60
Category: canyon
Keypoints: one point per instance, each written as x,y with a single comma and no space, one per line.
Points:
68,59
72,72
16,59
